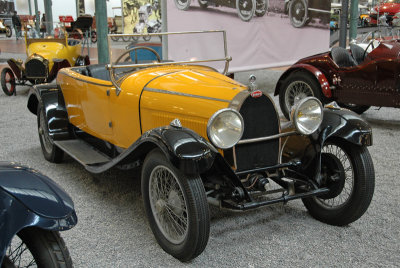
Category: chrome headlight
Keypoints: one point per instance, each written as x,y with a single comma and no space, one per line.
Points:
306,115
225,128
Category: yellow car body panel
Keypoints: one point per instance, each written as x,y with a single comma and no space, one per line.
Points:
191,94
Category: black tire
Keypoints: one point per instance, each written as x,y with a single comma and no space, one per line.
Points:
297,86
50,151
8,31
182,4
189,206
146,37
45,248
348,171
298,13
203,3
8,81
126,38
359,109
246,9
115,38
261,7
93,36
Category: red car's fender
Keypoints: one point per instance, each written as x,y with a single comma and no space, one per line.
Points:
321,78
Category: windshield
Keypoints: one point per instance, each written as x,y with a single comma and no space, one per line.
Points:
144,50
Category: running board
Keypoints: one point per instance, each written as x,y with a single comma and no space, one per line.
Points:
82,152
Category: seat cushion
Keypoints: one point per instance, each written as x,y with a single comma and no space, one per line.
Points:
342,57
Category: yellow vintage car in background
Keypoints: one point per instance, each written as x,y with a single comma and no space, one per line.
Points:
198,137
45,57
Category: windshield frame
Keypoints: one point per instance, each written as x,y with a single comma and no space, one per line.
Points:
112,67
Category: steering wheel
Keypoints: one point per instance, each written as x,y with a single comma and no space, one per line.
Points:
371,43
134,49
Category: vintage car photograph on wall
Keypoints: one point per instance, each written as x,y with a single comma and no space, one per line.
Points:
246,9
198,137
357,78
45,57
302,12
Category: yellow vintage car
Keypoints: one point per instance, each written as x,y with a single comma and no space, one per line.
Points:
198,137
45,57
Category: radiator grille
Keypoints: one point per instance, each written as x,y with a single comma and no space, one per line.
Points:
36,68
260,120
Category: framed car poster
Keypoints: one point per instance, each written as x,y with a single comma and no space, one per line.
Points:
260,33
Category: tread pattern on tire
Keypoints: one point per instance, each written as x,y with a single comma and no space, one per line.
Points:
361,198
47,247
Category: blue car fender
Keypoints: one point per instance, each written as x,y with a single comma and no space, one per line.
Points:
30,199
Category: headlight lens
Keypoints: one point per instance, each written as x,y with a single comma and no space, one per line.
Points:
307,115
225,128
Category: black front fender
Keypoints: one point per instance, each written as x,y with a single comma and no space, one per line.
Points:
346,125
342,125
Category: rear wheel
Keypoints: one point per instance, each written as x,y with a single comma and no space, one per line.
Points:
176,207
50,151
297,86
8,81
298,13
347,170
182,4
261,7
246,9
37,248
203,3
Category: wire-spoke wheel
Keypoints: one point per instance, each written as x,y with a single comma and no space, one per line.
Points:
261,7
8,81
246,9
37,248
347,171
298,13
182,4
176,207
297,86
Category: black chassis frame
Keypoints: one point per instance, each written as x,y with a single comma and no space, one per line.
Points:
192,154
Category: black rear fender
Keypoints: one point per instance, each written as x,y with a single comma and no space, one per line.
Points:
52,100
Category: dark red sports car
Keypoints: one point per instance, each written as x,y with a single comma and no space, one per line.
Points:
355,78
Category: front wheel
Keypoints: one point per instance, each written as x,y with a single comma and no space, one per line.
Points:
50,151
8,81
176,207
37,248
298,13
348,172
297,86
246,9
182,4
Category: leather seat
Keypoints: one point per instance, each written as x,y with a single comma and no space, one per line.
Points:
342,57
98,71
358,53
